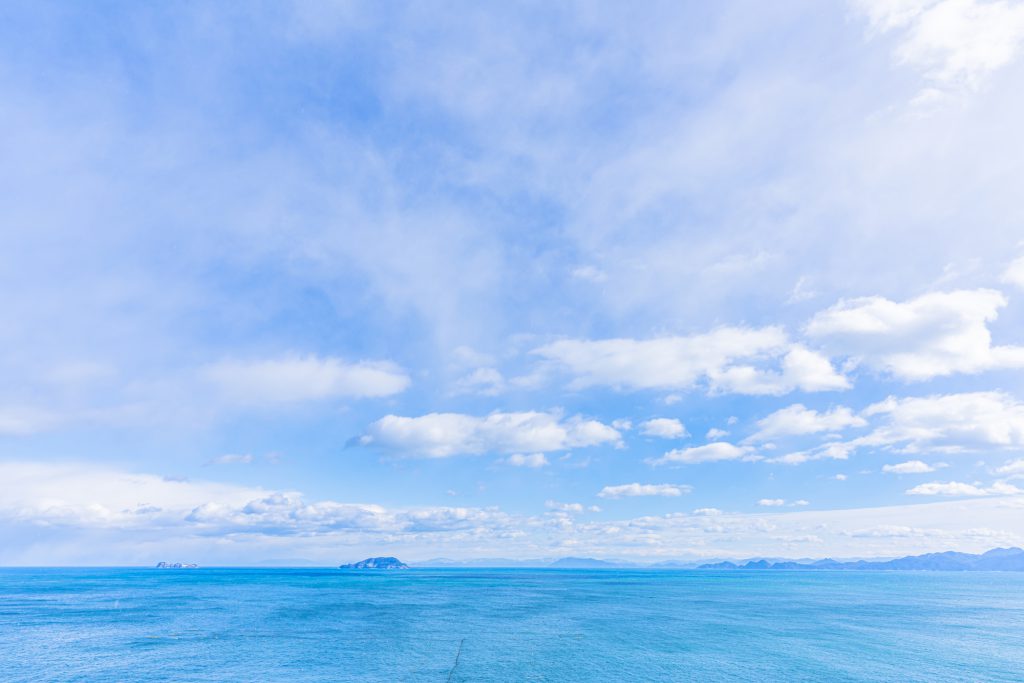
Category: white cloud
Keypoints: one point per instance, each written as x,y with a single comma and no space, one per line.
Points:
89,495
589,274
799,420
933,335
533,460
910,467
440,435
233,459
713,452
1014,273
953,42
483,381
563,507
303,378
956,488
833,450
715,433
1012,467
631,490
771,502
726,360
800,503
949,423
663,427
87,514
573,508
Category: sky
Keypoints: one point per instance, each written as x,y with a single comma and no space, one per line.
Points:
319,281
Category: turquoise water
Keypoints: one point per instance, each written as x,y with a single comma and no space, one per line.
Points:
513,625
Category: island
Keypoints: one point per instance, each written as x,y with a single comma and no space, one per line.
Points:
377,563
176,565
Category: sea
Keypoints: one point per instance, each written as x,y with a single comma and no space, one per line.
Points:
447,625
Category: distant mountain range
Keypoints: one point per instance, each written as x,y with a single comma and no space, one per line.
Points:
999,559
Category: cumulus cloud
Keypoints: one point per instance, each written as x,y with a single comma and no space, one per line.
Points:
771,502
632,490
950,423
726,360
81,496
1012,467
933,335
533,460
88,495
911,467
440,435
718,451
1014,273
715,433
139,517
955,43
303,378
663,427
956,488
799,420
833,450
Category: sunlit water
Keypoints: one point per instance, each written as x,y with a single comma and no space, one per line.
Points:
513,625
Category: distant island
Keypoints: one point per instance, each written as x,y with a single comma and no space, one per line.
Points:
999,559
175,565
377,563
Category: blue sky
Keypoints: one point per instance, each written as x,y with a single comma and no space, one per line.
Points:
328,280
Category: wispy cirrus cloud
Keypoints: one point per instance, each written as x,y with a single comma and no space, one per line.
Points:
954,43
304,378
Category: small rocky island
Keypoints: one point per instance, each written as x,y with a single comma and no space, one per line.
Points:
377,563
175,565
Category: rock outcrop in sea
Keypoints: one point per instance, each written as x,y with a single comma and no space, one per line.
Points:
377,563
176,565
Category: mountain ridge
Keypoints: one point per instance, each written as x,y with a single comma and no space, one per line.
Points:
997,559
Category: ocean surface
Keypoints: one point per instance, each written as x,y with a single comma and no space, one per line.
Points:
300,625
